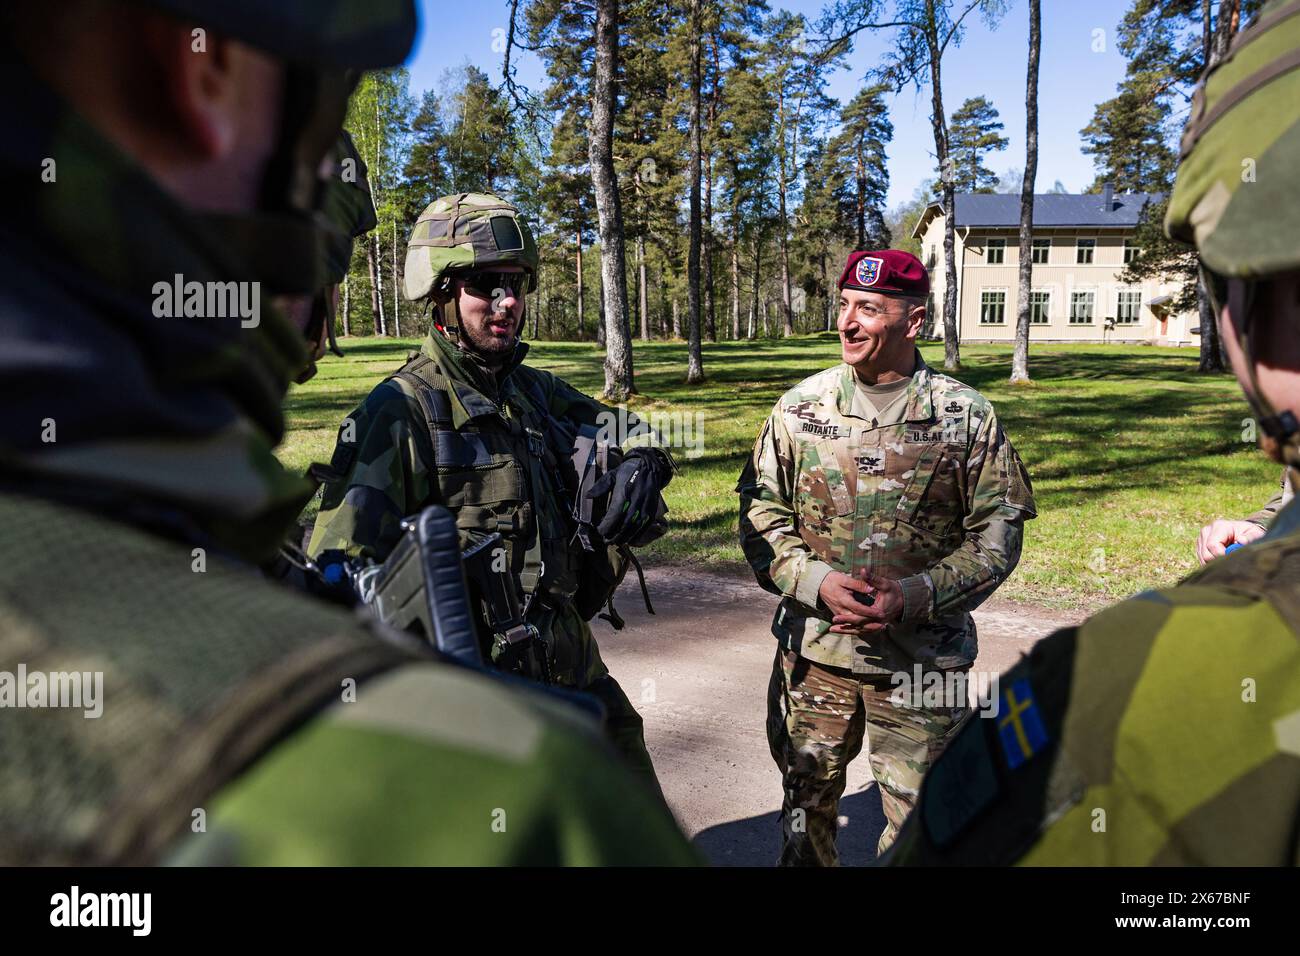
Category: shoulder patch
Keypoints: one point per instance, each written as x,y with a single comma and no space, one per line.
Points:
1020,725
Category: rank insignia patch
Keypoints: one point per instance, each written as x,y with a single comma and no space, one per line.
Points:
871,465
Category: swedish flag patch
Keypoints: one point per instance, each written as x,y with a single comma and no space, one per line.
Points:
1020,726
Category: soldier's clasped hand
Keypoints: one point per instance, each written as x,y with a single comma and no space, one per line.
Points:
860,606
1217,535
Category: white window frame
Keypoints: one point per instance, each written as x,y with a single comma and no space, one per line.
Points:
1047,306
1092,307
1044,244
1088,243
1001,246
1131,251
995,290
1135,296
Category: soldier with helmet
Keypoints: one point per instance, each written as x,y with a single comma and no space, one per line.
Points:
239,721
883,502
466,424
1166,729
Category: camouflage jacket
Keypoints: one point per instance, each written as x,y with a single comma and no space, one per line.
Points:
490,462
1163,731
1281,498
137,483
936,501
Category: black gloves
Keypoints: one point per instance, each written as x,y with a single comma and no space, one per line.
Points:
636,485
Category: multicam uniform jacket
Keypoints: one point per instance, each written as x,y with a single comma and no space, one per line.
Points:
934,497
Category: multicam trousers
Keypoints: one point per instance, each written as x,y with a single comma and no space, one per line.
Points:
816,718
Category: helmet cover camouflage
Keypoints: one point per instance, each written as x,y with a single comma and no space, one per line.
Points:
462,232
1237,197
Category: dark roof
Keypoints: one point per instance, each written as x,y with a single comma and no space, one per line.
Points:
1052,209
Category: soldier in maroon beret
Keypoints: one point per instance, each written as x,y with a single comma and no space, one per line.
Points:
883,502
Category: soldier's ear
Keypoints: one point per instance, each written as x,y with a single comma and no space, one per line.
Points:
915,319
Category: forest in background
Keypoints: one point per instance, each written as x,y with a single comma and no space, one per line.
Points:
685,169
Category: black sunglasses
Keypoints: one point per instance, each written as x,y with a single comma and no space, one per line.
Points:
486,284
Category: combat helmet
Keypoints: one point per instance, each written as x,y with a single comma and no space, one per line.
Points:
1237,197
462,232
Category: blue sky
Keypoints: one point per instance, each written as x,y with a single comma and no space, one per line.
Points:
1074,77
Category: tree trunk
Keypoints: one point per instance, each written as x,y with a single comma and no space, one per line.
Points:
602,333
735,281
783,244
860,198
753,306
347,306
642,296
540,310
1211,359
376,291
709,309
951,347
695,359
613,259
582,328
677,319
1020,358
826,284
397,315
1214,44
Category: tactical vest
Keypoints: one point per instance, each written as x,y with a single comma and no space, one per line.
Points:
500,472
205,667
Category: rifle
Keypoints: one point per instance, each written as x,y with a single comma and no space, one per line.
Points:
425,587
422,588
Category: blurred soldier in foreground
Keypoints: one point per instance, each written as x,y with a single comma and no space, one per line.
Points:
884,503
1166,729
173,153
465,424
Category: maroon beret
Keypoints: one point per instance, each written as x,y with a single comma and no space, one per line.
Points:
889,272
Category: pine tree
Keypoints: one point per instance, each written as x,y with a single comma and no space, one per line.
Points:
859,156
974,132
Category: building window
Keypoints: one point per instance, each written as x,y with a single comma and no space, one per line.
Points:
995,252
993,308
1040,307
1081,304
1129,307
1083,251
1130,251
1041,251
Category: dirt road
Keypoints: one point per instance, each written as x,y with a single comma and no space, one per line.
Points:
698,673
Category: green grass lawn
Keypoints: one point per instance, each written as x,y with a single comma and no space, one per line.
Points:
1130,450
